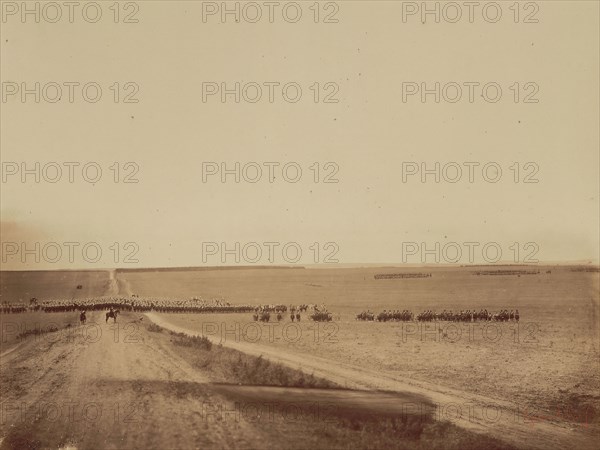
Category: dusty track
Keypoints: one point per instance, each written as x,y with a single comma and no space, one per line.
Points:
505,420
117,389
123,387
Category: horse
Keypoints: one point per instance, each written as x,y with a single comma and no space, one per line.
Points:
82,318
112,314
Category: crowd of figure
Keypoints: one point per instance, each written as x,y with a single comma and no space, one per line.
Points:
366,315
134,303
469,316
262,313
167,305
446,315
10,308
395,315
386,316
321,316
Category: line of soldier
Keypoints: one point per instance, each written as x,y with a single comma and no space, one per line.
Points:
132,304
284,308
265,315
270,308
319,313
446,315
262,313
366,315
386,316
469,316
9,308
395,315
321,316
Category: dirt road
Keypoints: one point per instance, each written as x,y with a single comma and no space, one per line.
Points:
112,386
119,386
499,418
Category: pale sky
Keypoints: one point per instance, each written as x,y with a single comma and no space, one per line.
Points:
368,135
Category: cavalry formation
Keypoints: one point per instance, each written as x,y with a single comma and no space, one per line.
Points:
469,316
262,313
446,315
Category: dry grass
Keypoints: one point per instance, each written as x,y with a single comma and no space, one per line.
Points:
346,428
16,327
153,328
195,342
226,365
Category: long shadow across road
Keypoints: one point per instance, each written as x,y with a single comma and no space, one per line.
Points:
323,404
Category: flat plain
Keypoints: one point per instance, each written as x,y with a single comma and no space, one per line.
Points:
531,384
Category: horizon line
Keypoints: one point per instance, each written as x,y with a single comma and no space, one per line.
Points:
314,266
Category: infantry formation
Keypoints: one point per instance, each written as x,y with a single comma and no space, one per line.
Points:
446,315
133,303
9,308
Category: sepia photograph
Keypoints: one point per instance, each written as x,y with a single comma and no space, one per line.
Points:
309,225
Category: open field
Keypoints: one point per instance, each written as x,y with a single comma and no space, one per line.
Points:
540,377
132,385
21,286
352,290
14,326
548,361
542,365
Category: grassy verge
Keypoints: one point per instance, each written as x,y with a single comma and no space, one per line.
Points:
16,327
226,365
38,331
406,433
344,428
